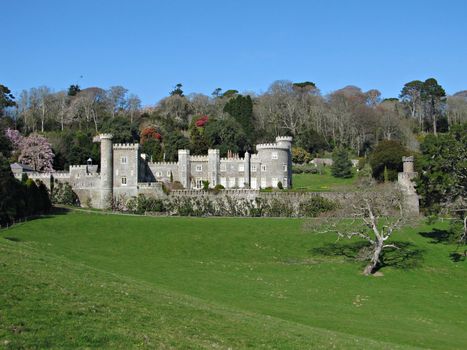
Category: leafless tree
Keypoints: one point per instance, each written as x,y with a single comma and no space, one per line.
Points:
175,107
133,106
373,214
116,99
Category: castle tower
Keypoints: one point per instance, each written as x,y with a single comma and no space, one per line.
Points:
247,169
276,162
404,180
213,166
106,170
407,163
184,167
286,141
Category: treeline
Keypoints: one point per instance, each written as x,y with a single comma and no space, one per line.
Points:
346,118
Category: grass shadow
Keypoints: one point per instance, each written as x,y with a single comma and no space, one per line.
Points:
447,237
407,256
458,257
13,239
438,236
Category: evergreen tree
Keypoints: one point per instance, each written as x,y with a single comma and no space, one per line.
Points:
387,155
342,166
241,109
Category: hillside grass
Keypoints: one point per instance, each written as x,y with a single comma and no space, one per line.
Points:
109,281
324,182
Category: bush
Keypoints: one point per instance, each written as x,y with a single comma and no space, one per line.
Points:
280,186
305,168
63,194
218,188
143,204
315,206
300,156
387,154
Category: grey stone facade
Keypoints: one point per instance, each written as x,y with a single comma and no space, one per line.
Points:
125,172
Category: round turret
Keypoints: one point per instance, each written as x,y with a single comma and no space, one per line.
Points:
408,164
284,141
106,170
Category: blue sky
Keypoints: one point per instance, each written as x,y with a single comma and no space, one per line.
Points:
149,46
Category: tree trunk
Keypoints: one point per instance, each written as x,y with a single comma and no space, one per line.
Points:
369,269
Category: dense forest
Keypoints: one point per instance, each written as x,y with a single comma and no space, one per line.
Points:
346,118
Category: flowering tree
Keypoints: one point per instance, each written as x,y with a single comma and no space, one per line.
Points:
201,122
36,152
150,133
15,137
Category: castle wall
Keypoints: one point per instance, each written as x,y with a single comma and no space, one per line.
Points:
161,171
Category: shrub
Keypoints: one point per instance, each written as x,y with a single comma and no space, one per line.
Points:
63,194
280,186
387,154
218,188
305,168
315,206
300,156
143,204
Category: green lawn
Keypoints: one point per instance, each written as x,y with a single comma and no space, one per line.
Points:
321,182
108,281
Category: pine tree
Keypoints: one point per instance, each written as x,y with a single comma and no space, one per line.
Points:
342,166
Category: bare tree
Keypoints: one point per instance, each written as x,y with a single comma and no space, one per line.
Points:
133,106
44,95
373,214
89,104
116,98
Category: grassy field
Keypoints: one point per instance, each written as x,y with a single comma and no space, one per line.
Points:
321,182
108,281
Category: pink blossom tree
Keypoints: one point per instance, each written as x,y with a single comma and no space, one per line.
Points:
36,152
15,137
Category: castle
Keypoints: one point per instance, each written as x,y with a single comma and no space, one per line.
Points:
125,172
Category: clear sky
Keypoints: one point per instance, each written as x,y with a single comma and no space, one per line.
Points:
149,46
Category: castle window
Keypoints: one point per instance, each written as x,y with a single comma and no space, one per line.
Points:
124,160
284,183
284,167
274,155
241,182
168,173
223,167
199,168
263,183
224,181
241,167
263,167
274,182
158,173
232,182
253,168
123,181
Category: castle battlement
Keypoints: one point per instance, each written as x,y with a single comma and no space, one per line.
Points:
232,159
270,146
36,175
199,158
126,146
78,167
284,138
162,163
61,175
